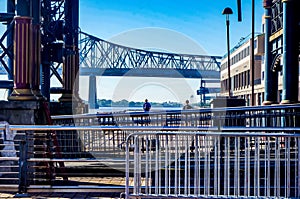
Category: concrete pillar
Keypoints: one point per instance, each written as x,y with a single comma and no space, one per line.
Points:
271,78
290,53
92,92
22,68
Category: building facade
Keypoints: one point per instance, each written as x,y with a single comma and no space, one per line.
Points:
241,70
276,59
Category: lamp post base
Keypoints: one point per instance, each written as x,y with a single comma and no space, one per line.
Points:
267,102
288,102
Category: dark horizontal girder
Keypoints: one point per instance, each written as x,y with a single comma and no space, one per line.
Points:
150,72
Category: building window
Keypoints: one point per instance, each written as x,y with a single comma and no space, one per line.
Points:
247,51
248,77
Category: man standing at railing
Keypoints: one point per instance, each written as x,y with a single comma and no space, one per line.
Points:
146,106
187,105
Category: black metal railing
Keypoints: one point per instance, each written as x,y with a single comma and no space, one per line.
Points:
258,116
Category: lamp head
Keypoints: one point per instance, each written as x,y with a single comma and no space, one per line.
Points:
227,11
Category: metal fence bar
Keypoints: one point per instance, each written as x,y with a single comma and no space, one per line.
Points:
23,167
261,163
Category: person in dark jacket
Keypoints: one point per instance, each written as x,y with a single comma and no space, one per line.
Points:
146,106
187,105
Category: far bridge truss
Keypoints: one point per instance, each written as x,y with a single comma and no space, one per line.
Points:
100,57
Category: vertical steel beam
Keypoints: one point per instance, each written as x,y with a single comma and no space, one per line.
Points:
36,48
70,66
46,64
68,58
75,24
45,84
11,8
290,53
271,78
23,7
252,53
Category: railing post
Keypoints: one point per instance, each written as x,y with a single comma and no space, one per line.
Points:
23,168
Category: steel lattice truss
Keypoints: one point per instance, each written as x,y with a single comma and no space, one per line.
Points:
96,53
6,50
52,13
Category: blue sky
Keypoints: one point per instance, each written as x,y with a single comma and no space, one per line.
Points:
200,20
173,26
191,26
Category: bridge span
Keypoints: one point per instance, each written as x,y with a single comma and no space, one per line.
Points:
102,58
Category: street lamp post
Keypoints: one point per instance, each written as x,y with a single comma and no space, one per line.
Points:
228,11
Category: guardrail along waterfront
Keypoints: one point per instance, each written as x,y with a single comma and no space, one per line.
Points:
207,152
170,161
258,116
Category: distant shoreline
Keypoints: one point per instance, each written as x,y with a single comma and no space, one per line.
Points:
129,109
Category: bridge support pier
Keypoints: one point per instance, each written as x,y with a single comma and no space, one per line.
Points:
92,92
290,52
271,78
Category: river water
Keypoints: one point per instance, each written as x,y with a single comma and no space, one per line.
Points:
129,109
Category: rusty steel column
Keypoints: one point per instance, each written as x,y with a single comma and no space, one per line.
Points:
22,68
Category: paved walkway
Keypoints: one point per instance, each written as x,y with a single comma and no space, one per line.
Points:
43,195
109,181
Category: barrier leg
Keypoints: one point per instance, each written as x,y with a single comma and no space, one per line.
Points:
22,190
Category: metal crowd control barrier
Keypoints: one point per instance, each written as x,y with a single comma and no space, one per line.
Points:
9,158
258,116
231,163
31,161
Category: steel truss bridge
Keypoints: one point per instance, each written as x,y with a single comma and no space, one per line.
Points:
100,57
